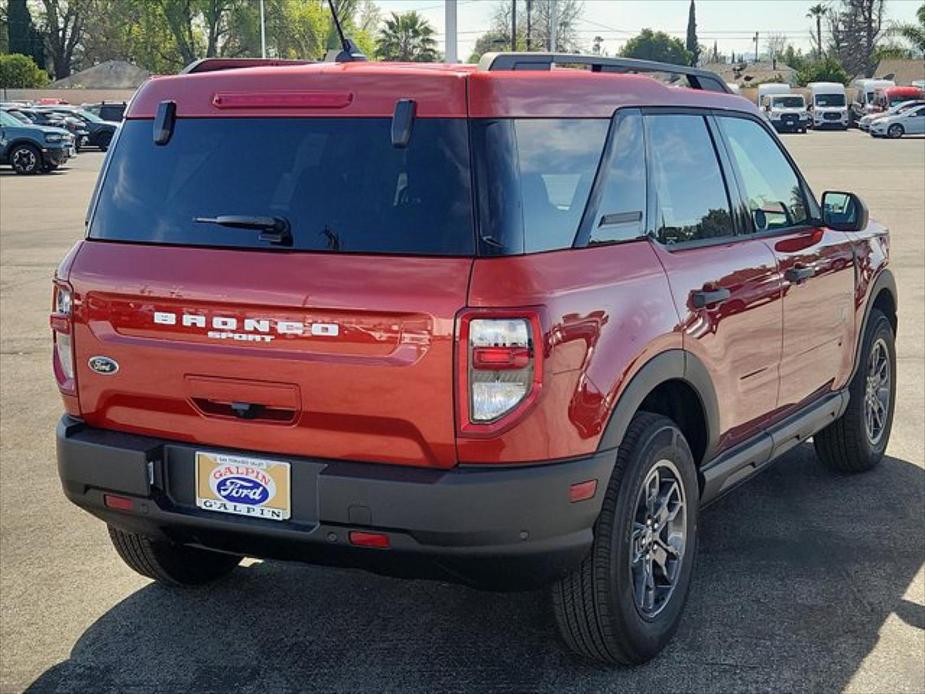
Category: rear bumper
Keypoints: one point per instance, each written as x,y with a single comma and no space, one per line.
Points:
509,528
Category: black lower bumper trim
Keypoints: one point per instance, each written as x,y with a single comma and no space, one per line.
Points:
511,527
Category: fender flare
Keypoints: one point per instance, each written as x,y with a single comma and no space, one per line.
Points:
671,365
884,281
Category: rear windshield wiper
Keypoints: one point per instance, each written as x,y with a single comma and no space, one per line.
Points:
272,229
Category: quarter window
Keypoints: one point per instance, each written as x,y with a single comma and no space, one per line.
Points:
620,213
692,200
771,186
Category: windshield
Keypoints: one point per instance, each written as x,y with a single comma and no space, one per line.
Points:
339,183
8,120
788,102
897,100
830,100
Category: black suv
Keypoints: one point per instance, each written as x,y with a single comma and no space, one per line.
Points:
113,111
100,132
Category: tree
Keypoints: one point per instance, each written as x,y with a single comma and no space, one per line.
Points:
693,46
407,37
826,70
913,33
777,44
62,26
567,15
817,12
649,45
597,45
23,38
19,71
489,42
856,27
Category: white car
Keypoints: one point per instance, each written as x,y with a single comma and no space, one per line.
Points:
864,123
909,122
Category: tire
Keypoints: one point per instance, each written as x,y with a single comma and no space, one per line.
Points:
169,563
595,607
895,131
848,444
26,159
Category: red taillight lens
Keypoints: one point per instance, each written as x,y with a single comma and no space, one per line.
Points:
499,367
61,331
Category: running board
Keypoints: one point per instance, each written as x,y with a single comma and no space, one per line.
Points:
737,465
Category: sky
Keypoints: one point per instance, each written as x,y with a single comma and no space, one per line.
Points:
732,23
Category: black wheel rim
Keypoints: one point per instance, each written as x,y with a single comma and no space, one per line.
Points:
877,391
24,160
658,540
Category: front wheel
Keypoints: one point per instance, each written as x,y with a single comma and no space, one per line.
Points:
856,441
170,563
624,602
26,159
895,131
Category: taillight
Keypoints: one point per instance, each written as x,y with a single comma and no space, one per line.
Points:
500,368
62,333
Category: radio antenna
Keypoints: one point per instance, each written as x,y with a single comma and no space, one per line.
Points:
349,51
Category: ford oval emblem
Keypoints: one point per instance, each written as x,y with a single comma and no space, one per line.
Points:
103,365
242,490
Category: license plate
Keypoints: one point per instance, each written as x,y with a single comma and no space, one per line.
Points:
252,487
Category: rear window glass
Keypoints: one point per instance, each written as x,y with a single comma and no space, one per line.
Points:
535,176
339,183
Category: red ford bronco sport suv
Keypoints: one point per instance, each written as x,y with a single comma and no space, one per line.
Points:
510,324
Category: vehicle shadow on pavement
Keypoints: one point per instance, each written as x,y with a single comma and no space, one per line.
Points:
797,572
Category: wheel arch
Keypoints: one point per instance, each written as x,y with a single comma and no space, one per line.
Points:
676,384
882,296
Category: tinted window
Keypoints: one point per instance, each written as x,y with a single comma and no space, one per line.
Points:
830,99
620,211
339,182
558,160
772,187
691,193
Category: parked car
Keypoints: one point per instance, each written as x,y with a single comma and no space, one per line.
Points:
31,149
787,112
75,126
909,122
504,326
865,96
99,132
887,97
112,111
827,105
865,122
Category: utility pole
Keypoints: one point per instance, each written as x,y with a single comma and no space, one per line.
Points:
553,25
756,46
514,25
449,17
263,32
529,25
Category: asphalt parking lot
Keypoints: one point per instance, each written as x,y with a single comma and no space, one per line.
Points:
806,580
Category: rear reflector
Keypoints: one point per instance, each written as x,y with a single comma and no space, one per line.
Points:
120,503
582,491
375,540
282,99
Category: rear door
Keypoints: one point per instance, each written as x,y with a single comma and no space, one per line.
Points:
725,285
338,344
816,264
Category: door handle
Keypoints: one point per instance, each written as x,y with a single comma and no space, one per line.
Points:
799,273
706,297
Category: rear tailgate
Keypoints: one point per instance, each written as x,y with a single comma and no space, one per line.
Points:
344,357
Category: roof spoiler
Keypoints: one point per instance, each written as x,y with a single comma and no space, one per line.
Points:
697,78
215,64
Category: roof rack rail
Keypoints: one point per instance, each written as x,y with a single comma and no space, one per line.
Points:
215,64
697,78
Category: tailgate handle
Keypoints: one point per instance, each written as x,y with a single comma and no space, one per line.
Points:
246,410
250,411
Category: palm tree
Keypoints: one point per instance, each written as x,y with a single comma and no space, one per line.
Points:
914,33
817,12
407,37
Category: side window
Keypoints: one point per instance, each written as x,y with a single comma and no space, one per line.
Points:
621,210
771,186
558,159
692,199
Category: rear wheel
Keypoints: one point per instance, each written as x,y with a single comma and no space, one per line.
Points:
856,441
624,602
895,130
170,563
26,159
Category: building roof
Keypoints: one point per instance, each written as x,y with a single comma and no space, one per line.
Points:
904,71
753,74
439,91
113,74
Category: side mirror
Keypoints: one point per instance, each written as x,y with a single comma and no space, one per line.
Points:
844,211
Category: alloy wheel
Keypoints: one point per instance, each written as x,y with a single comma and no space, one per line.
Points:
877,391
658,538
25,160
